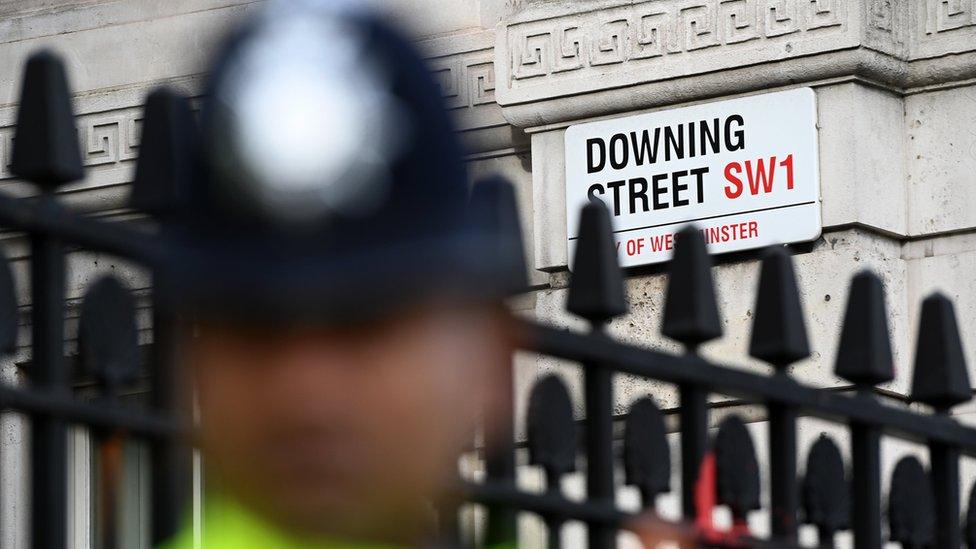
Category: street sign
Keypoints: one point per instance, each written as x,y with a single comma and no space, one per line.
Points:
744,171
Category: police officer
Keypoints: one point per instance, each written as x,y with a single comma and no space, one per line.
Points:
344,294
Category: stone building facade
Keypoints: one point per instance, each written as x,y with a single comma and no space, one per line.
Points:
895,85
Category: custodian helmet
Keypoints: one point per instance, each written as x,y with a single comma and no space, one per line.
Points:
329,178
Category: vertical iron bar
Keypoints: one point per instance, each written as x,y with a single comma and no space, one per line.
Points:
167,456
693,414
784,489
554,523
500,466
825,538
941,380
49,498
866,458
945,481
598,389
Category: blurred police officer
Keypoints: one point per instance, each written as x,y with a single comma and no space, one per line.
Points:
345,296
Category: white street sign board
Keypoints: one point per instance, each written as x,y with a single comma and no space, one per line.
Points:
744,171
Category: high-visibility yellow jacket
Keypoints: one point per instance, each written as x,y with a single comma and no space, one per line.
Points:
228,525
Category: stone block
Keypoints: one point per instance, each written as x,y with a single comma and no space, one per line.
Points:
941,160
862,179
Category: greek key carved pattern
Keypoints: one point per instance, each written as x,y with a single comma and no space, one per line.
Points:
886,26
781,18
654,29
112,137
824,13
532,56
466,81
481,81
881,13
106,139
740,24
568,55
947,15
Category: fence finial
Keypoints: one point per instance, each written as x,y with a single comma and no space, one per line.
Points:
826,490
596,289
495,208
864,353
551,436
779,335
690,311
737,469
166,152
647,457
940,378
108,343
46,150
911,509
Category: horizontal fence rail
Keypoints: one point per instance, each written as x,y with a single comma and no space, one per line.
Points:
751,387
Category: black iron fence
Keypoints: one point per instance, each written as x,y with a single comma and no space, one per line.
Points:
923,507
47,154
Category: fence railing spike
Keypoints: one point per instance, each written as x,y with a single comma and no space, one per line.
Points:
46,150
826,491
551,440
108,343
494,203
494,206
690,311
864,353
596,293
779,337
166,153
911,510
647,457
736,468
596,288
779,334
940,378
551,428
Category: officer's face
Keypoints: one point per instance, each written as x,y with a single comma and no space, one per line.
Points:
345,431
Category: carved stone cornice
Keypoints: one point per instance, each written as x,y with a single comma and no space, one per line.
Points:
109,121
942,27
616,56
109,124
464,65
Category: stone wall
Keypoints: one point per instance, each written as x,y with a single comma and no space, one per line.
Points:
895,82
